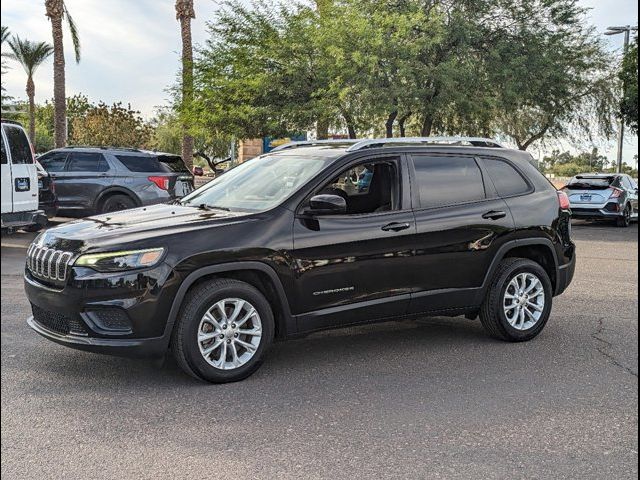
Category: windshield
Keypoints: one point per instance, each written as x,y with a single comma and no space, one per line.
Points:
590,183
257,185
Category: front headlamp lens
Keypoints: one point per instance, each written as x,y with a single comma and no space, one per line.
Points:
120,261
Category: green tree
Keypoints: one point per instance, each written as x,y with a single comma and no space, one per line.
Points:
57,11
629,79
30,55
115,126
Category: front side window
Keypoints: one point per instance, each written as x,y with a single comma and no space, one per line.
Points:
443,181
259,184
53,162
506,179
18,145
366,188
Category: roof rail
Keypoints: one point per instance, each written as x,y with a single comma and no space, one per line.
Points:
380,142
12,122
103,147
313,143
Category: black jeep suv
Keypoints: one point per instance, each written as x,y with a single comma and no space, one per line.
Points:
311,236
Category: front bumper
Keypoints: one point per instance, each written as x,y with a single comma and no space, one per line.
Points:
117,313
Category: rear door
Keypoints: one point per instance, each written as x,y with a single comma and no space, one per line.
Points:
7,189
461,223
85,175
24,175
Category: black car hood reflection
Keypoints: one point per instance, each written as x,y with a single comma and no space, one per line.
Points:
136,224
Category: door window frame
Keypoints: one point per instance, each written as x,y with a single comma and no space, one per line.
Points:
403,196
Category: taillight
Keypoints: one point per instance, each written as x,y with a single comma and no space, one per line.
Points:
161,182
564,200
616,193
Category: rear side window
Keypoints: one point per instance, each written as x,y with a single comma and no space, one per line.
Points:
445,181
18,145
506,179
153,164
53,162
87,162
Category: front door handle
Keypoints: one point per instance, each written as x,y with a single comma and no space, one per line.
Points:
395,227
494,215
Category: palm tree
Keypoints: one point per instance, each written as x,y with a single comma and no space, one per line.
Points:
30,55
184,13
56,10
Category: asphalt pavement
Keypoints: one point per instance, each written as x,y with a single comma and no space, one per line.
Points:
433,398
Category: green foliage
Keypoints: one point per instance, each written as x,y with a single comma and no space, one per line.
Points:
30,55
115,126
403,67
566,164
629,79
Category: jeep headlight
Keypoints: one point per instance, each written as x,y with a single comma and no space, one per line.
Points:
121,261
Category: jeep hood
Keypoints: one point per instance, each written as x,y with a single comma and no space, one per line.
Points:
139,224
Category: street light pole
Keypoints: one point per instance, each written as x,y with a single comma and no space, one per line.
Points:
627,29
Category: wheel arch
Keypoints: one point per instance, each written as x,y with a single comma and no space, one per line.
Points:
115,190
257,274
539,250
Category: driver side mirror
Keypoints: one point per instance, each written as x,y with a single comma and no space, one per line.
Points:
327,205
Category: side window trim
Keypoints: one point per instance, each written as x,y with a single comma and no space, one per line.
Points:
415,191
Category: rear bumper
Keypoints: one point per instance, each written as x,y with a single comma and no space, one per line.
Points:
609,210
22,219
565,275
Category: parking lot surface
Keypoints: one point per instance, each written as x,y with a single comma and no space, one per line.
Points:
433,398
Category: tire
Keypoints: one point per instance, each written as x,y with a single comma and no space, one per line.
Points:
493,311
190,351
625,220
115,203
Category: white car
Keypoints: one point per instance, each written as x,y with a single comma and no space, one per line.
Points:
19,179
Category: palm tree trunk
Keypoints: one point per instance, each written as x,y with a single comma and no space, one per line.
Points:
184,11
59,95
31,92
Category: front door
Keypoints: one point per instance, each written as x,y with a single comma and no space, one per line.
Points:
85,176
352,267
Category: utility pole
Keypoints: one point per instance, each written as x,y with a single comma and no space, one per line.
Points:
627,29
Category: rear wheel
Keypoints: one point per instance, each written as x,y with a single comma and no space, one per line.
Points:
518,303
115,203
625,220
224,329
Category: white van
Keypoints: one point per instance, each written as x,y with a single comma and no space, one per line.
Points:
19,179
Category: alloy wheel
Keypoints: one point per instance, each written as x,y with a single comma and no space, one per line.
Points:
524,301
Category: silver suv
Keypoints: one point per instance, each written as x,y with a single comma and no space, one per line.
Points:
93,180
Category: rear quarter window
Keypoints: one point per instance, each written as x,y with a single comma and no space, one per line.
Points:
153,164
505,178
443,181
18,145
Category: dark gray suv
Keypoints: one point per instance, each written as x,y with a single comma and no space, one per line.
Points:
93,180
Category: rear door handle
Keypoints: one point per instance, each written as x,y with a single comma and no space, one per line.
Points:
494,215
396,227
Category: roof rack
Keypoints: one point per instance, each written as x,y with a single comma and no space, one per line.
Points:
313,143
452,141
102,147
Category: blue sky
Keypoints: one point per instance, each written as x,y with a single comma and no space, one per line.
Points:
130,48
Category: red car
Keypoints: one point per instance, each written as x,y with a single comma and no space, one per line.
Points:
198,171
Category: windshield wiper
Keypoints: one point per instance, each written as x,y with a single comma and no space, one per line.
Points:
205,206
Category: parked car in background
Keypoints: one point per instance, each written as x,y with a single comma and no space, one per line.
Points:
276,248
198,171
92,180
603,196
19,179
47,198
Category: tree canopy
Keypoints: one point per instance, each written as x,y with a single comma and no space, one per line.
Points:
629,79
525,69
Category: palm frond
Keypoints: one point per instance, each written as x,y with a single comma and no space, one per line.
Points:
29,54
5,33
75,36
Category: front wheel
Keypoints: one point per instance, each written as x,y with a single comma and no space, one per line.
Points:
224,328
518,303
